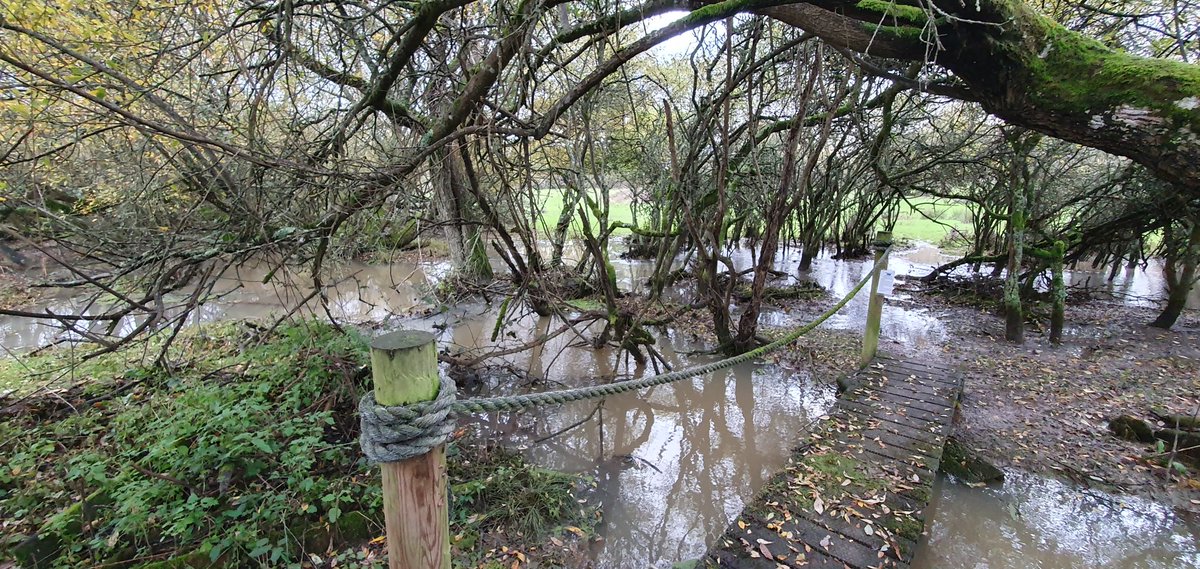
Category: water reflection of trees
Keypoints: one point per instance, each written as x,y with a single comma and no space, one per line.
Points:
672,464
711,442
1039,522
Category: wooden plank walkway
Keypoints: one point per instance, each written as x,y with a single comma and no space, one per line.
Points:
854,495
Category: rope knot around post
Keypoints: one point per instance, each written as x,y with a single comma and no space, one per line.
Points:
401,432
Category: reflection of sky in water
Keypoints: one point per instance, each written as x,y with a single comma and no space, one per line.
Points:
379,293
673,464
1037,522
914,327
1136,286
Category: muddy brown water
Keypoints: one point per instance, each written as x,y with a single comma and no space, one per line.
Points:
359,294
673,465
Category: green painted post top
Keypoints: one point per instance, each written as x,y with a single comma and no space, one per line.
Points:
404,367
883,239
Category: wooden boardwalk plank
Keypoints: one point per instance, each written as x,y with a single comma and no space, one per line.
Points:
854,496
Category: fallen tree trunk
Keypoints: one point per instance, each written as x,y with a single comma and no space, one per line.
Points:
1183,422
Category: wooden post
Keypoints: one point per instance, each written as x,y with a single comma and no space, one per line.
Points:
404,367
883,240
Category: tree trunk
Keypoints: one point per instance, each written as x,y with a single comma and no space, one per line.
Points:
1031,71
1059,293
808,252
790,182
468,253
1180,277
563,224
1021,142
1014,320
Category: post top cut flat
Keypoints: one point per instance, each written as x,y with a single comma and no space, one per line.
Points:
401,340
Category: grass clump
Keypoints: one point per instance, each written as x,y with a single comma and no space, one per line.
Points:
499,500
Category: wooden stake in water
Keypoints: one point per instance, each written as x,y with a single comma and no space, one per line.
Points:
404,367
883,240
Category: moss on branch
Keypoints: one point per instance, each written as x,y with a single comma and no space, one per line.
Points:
1069,72
897,32
912,14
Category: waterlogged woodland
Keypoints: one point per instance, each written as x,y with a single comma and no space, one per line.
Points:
209,207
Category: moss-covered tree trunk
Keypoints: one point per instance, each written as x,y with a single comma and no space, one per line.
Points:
558,240
1019,186
1014,320
1033,72
468,253
1058,290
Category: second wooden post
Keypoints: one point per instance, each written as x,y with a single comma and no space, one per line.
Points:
404,367
883,240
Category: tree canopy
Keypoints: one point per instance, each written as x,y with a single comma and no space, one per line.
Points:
154,139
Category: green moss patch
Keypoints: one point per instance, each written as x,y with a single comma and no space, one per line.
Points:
1074,73
912,14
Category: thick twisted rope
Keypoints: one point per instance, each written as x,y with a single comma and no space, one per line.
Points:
395,433
392,434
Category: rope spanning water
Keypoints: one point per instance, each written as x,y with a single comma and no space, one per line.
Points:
392,434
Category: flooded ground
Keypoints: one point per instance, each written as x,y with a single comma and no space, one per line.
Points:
358,293
1032,522
363,293
675,464
1140,285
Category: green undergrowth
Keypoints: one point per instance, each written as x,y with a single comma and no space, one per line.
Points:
501,505
245,453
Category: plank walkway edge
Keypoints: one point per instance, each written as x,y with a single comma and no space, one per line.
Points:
853,496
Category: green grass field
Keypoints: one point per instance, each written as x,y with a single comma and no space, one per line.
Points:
552,206
928,220
924,220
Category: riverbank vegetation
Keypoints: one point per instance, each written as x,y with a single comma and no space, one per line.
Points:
159,151
243,452
146,186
